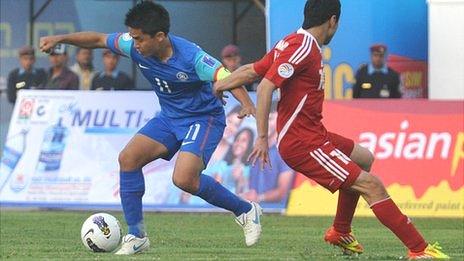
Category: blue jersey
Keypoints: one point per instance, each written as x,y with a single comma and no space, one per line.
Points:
183,84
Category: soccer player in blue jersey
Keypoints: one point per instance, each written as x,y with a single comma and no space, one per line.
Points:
191,121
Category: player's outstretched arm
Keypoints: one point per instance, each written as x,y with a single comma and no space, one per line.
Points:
89,40
243,75
261,148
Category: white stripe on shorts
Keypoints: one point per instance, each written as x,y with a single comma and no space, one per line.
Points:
329,169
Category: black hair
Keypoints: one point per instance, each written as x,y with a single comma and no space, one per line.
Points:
317,12
151,18
229,157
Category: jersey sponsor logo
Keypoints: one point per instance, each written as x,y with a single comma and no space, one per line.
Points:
126,37
285,70
182,76
208,61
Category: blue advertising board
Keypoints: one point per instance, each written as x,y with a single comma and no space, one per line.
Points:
401,25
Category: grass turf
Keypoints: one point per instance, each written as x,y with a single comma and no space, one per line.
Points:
37,235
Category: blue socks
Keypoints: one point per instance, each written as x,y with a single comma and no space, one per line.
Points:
132,188
215,194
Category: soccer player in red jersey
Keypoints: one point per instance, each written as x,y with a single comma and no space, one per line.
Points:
294,66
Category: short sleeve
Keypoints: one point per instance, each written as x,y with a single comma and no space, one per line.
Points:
208,68
290,61
263,65
120,43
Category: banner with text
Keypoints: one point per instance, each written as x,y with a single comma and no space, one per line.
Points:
419,152
62,151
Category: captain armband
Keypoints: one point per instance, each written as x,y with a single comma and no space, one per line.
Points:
221,73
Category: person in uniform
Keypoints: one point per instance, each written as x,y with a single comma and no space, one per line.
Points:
376,79
26,76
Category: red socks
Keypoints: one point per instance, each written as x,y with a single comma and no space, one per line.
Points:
346,207
390,216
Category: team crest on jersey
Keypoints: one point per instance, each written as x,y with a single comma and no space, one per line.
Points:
285,70
182,76
281,45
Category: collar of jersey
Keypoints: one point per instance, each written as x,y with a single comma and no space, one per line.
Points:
303,31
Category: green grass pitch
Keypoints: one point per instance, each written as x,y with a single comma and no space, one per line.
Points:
55,235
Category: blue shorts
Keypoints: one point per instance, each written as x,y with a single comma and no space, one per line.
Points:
198,135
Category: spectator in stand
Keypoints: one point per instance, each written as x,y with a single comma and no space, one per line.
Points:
84,68
232,60
376,79
26,76
110,78
60,77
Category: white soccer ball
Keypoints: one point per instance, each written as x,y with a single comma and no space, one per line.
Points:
101,233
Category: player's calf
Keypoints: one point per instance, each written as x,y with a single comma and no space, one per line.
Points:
370,187
388,213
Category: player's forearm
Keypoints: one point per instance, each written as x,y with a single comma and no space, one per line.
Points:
243,75
265,90
241,95
84,39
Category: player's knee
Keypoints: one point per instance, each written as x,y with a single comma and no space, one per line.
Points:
369,160
127,161
366,160
186,183
375,190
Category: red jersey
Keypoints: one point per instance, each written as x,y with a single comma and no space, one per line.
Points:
295,66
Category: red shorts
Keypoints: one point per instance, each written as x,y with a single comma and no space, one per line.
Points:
329,165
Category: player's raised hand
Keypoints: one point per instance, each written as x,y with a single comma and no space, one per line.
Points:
47,43
247,111
261,152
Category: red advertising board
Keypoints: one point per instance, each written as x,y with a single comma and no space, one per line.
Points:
418,146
